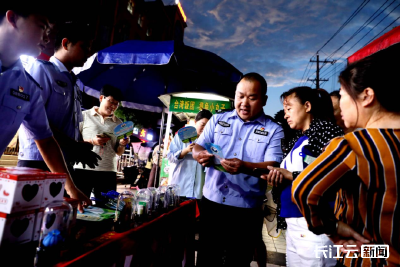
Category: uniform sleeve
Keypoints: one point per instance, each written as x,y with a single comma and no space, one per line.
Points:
38,72
274,150
175,150
36,123
314,187
207,136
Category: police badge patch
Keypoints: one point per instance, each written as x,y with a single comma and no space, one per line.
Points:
261,131
224,124
19,94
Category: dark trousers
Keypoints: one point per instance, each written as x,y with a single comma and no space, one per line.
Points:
228,235
38,164
96,181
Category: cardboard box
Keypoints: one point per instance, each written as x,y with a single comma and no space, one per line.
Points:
38,224
16,228
53,188
20,190
17,168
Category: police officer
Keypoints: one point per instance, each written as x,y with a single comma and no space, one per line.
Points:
62,99
24,30
231,204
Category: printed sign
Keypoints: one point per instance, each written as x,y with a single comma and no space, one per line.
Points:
192,105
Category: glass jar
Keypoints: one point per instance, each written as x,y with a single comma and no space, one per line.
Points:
177,191
153,199
124,212
170,198
54,231
160,195
143,198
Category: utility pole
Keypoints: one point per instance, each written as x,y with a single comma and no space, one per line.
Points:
317,79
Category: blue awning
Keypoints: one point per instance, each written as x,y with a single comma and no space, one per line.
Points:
138,53
144,70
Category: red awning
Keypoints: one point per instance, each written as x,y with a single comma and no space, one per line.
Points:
388,39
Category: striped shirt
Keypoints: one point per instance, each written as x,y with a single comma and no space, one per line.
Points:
93,123
364,165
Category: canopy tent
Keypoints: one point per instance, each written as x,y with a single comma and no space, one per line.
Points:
145,70
389,42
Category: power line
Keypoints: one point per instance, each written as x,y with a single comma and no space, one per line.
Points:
359,8
382,30
369,30
302,77
305,81
362,27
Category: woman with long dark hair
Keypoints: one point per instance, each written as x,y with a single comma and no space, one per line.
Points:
368,210
310,113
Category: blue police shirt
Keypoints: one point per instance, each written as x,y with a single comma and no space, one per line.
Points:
254,141
20,103
62,99
188,173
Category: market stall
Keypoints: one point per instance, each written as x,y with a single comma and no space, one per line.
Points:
147,72
387,43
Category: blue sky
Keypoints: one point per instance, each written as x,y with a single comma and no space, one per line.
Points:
277,38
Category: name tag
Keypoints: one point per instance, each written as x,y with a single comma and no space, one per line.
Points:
261,132
20,95
309,159
224,124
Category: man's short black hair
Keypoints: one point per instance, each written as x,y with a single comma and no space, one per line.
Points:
203,114
252,76
25,8
109,90
74,32
335,93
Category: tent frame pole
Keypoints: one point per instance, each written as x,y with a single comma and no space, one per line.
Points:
159,146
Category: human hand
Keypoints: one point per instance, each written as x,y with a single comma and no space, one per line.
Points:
190,147
123,141
204,158
276,176
232,166
348,238
75,193
100,141
83,154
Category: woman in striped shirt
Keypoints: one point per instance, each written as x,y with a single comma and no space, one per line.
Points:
363,166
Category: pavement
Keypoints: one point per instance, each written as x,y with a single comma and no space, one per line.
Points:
276,247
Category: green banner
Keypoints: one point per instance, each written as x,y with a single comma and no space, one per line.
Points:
164,168
193,105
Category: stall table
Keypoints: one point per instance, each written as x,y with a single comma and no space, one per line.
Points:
167,240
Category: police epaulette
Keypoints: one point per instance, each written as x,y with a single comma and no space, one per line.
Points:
33,80
219,111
